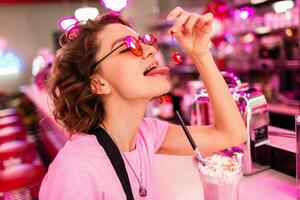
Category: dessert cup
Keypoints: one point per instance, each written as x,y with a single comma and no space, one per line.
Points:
221,177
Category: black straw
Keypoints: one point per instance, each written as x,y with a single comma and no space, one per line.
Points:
188,135
186,131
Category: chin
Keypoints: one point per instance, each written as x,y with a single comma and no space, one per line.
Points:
163,88
167,87
148,90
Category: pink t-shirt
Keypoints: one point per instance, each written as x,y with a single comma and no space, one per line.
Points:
82,171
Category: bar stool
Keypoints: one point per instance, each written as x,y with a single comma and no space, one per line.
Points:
12,133
16,152
10,121
8,112
21,182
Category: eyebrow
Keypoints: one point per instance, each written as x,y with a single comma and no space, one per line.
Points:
116,42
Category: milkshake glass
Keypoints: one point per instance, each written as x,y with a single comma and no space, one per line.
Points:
221,177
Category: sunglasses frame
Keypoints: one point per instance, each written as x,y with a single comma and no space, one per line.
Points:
127,40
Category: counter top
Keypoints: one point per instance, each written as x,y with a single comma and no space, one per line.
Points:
53,135
39,98
282,139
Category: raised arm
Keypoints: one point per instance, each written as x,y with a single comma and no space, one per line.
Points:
193,34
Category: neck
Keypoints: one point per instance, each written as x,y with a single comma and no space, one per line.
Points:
122,121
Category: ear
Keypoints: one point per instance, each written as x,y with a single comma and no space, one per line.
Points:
99,85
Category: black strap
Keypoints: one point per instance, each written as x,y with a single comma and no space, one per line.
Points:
115,158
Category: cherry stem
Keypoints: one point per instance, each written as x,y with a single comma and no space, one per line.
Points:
173,41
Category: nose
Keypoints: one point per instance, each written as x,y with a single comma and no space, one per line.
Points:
148,51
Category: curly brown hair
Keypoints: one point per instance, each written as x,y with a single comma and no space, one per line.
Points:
75,106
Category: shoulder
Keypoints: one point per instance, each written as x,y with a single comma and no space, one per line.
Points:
78,155
65,180
74,167
82,150
82,146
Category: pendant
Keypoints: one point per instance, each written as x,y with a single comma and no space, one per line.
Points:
143,191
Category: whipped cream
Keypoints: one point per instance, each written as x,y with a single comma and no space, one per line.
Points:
221,166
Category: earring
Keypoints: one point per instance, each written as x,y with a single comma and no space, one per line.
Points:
177,58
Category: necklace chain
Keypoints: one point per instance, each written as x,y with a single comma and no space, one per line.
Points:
142,190
140,181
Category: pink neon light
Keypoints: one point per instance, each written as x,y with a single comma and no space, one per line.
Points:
246,12
114,5
67,23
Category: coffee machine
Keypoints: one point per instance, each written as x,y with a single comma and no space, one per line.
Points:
253,108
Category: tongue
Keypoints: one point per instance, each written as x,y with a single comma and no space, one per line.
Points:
160,71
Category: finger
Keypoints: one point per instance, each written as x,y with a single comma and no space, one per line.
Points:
182,19
178,35
174,13
193,19
205,20
208,17
200,23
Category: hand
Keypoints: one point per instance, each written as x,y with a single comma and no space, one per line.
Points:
192,31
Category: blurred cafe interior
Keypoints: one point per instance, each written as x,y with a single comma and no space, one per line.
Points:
255,44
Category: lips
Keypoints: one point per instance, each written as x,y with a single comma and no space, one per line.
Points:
150,68
155,69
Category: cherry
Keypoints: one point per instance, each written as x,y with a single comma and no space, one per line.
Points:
177,58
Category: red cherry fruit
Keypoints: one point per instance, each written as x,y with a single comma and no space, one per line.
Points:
177,58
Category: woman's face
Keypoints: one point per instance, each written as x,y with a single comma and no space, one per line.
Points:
124,72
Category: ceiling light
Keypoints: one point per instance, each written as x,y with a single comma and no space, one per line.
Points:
9,70
282,6
9,63
248,38
263,30
114,5
86,13
246,12
257,1
37,64
289,32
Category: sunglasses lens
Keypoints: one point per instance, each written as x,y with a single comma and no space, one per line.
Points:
149,39
133,45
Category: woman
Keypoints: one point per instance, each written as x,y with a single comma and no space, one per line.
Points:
98,81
